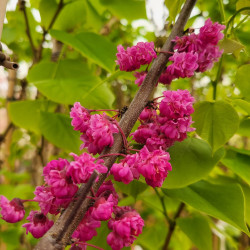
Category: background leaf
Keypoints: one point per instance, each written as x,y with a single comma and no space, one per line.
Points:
225,202
57,129
238,163
198,230
195,163
70,81
241,81
26,114
215,122
93,46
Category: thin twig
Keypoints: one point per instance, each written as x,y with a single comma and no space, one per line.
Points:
172,226
22,7
46,31
60,234
161,198
2,136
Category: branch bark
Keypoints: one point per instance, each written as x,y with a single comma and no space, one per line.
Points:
59,235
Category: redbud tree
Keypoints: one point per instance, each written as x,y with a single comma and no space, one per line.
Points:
117,138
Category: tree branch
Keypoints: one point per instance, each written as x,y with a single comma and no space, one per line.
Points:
59,235
45,31
2,136
22,7
172,226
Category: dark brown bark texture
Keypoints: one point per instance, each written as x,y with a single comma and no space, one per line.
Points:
59,235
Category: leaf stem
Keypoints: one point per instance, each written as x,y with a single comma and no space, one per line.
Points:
161,198
217,79
222,11
233,16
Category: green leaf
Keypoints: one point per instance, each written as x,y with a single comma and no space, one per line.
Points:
57,129
244,128
93,46
244,105
215,122
69,81
72,16
47,9
198,230
225,202
242,4
26,114
195,163
246,191
238,163
129,9
174,8
242,81
230,45
134,188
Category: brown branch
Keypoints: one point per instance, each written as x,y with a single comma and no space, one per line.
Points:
22,7
45,31
172,226
2,136
59,235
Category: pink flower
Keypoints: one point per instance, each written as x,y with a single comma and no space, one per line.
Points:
144,132
46,200
99,134
61,185
86,229
132,58
106,199
11,211
154,166
126,225
84,165
159,141
106,189
148,114
126,171
80,117
184,64
177,129
190,43
54,165
176,104
103,208
207,57
167,77
39,224
210,33
140,76
117,242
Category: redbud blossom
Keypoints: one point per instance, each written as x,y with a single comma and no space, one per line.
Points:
154,166
86,230
126,225
126,170
99,133
39,224
132,58
83,166
11,211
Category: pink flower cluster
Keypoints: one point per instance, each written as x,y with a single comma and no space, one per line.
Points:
193,53
154,166
132,58
97,130
125,226
204,45
160,131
